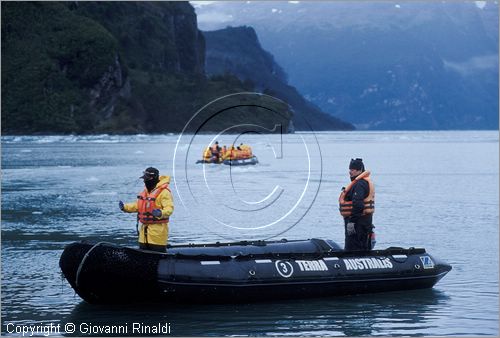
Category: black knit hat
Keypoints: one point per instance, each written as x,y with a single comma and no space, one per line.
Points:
150,174
357,164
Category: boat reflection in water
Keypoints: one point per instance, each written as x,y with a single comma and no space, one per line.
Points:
391,313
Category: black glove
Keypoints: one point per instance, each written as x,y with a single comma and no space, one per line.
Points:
156,213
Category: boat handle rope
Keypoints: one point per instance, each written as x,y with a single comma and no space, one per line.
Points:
80,266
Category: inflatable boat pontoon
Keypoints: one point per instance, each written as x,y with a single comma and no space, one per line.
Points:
242,161
242,271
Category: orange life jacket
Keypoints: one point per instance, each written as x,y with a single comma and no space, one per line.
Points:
146,204
345,207
231,153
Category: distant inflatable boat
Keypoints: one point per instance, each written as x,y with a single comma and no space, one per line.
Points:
233,155
242,271
234,162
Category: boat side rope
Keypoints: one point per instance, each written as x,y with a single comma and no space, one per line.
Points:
80,266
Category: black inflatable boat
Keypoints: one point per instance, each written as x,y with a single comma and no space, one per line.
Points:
242,271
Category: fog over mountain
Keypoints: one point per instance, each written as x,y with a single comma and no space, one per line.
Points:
238,51
381,65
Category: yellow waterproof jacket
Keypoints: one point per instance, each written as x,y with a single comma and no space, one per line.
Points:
207,154
246,151
156,233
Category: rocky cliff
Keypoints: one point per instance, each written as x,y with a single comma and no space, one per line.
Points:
80,67
94,67
237,50
152,35
123,67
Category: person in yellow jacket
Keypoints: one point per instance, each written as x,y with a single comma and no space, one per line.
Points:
154,206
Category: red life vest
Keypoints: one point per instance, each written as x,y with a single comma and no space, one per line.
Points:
345,207
146,204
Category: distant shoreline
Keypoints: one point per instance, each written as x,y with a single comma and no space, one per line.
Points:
3,136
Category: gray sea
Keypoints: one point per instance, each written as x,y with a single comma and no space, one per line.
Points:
437,190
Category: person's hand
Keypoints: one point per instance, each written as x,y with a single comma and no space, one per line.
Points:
350,228
156,213
121,205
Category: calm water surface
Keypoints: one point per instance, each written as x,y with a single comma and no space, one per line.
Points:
437,190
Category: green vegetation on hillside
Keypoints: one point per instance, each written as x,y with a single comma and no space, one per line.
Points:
48,57
131,67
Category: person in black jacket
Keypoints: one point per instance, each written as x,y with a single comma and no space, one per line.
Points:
357,204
